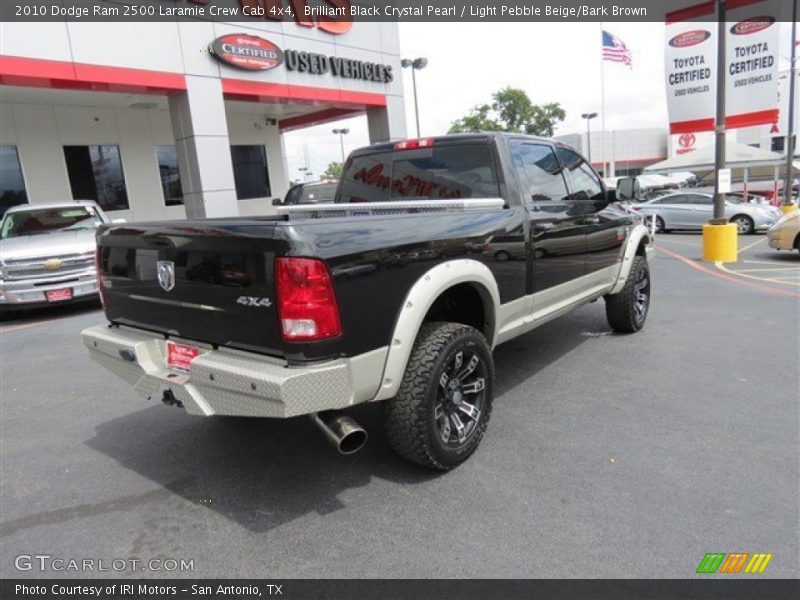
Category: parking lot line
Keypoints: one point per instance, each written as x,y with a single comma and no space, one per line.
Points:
756,243
764,262
790,269
738,273
729,278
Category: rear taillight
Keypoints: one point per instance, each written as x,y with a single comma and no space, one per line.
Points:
101,287
414,144
306,301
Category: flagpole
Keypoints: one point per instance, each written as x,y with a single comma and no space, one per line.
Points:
603,102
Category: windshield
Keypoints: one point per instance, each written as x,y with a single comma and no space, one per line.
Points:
311,194
46,220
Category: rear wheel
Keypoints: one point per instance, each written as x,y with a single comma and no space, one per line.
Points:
626,311
502,255
744,224
445,399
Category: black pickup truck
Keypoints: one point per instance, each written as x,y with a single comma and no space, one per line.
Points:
434,252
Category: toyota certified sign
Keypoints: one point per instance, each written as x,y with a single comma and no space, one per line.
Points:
246,52
752,25
689,38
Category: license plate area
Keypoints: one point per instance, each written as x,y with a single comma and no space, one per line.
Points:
181,356
58,295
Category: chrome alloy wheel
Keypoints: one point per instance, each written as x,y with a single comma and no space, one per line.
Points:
641,291
460,398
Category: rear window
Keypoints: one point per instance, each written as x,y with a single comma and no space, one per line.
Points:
437,173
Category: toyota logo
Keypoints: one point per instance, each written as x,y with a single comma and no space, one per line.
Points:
165,270
686,140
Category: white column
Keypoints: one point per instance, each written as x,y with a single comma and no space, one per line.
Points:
204,155
386,123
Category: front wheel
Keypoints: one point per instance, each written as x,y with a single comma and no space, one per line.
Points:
660,226
626,311
445,399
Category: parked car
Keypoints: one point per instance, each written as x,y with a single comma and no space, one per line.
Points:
690,210
785,234
381,297
311,193
47,254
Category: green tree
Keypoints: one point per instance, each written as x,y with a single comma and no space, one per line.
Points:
512,110
334,171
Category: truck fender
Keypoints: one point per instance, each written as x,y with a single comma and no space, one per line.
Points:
419,300
635,237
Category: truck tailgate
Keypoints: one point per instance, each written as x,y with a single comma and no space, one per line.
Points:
204,280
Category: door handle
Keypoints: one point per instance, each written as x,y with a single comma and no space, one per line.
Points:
591,220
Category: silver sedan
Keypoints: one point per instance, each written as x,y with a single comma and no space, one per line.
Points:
691,210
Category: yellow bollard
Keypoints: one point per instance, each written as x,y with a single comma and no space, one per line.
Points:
788,208
720,242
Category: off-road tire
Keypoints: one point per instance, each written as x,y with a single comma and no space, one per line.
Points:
410,423
621,308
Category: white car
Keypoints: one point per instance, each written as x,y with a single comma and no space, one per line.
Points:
691,210
785,234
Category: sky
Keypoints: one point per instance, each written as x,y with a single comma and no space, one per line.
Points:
552,62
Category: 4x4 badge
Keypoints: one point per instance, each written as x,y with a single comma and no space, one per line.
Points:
165,271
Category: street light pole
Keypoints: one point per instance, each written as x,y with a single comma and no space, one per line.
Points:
790,139
416,65
341,133
589,117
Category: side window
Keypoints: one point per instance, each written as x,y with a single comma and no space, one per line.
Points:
95,173
12,184
250,174
702,200
581,179
539,172
170,177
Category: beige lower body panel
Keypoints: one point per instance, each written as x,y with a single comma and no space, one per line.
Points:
232,382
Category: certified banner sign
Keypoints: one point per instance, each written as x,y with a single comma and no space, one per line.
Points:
750,70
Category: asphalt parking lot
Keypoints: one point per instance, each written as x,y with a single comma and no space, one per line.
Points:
606,455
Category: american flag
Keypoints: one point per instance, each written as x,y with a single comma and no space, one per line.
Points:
615,50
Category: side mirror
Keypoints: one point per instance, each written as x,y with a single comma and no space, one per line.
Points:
276,202
628,188
118,221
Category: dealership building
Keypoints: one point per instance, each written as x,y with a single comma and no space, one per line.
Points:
165,120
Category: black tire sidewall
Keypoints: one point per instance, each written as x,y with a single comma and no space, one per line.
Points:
469,340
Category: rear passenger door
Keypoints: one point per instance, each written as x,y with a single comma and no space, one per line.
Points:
556,221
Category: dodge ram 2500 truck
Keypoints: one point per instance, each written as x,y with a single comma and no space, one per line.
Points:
434,252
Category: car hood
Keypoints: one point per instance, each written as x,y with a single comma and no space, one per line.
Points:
56,243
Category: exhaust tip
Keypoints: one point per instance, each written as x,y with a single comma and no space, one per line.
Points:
343,432
353,442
